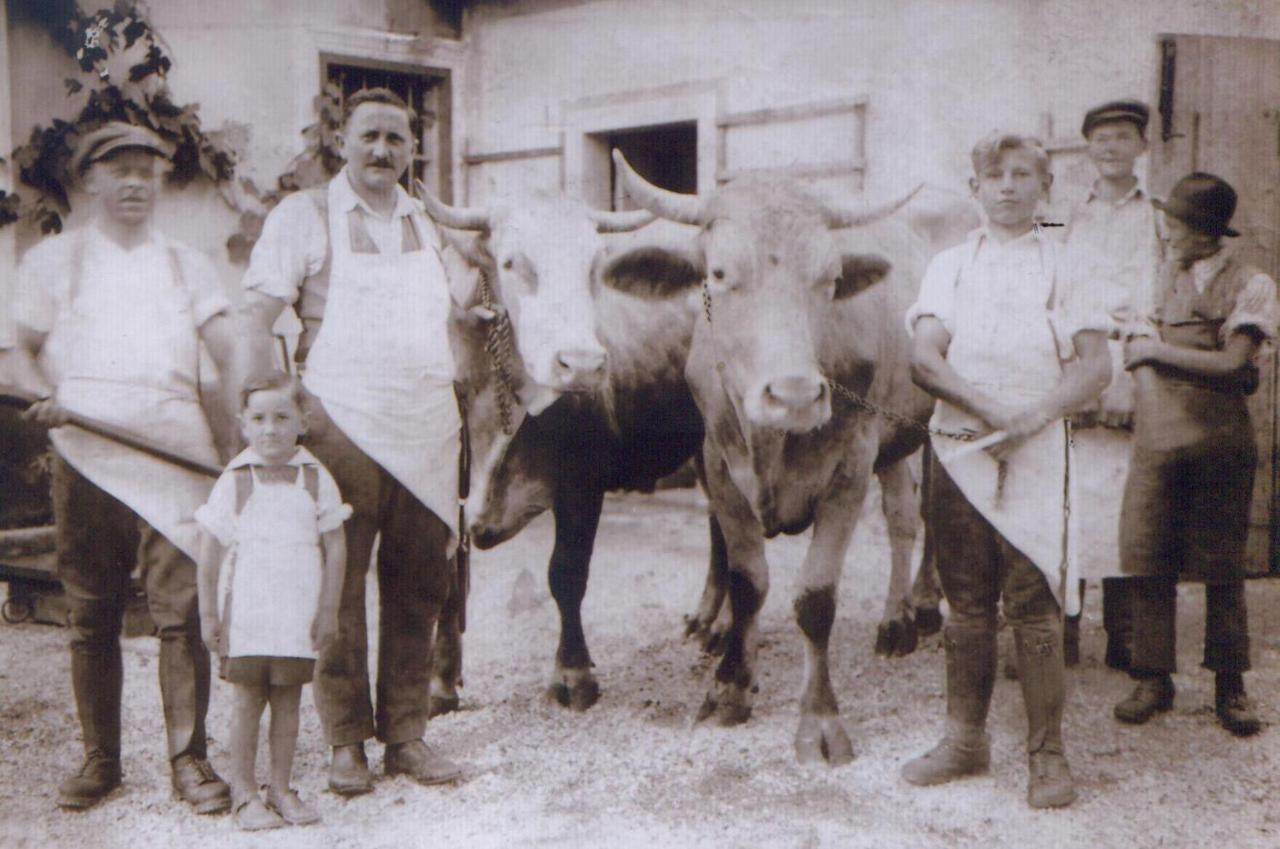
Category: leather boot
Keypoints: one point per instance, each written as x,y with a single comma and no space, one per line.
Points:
195,782
97,776
97,678
1153,694
1049,784
1117,621
349,771
971,674
416,760
1234,710
184,691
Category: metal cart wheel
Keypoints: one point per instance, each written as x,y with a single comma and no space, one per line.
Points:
15,610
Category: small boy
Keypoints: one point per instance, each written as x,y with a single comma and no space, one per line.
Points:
1186,503
1113,249
989,340
270,577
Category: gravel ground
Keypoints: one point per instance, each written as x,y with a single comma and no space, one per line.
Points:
635,770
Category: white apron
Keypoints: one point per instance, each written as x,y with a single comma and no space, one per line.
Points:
1005,346
149,328
1099,468
382,366
270,582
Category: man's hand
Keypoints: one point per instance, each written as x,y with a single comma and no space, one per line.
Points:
1018,429
324,629
210,630
47,412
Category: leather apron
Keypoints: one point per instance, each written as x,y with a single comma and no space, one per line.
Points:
381,362
1005,345
154,326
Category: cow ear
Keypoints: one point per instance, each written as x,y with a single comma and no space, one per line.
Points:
652,271
859,271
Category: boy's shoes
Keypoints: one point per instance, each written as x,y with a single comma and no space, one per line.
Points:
1234,710
947,761
195,782
251,815
1050,784
416,760
1151,696
289,806
349,771
98,775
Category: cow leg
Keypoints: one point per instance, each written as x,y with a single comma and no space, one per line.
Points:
446,656
821,735
747,583
896,634
577,514
711,621
926,592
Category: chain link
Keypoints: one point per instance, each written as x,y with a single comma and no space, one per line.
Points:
860,401
499,345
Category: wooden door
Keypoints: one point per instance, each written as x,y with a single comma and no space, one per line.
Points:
1218,110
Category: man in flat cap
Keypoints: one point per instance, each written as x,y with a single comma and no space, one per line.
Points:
1113,249
110,318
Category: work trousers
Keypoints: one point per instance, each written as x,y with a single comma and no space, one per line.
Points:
99,540
414,580
1226,626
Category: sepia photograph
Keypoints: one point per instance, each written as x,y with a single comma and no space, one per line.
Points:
639,423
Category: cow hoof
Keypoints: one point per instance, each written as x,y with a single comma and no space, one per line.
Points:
897,639
443,699
729,705
928,621
576,689
822,739
710,635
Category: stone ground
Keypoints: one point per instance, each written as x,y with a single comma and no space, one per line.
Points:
635,770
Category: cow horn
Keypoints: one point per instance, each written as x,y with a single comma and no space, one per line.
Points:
620,222
457,217
840,215
673,206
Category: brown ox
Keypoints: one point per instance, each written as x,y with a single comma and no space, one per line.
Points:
793,320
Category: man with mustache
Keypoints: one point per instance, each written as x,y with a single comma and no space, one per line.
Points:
110,318
360,262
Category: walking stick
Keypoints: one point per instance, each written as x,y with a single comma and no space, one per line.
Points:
14,397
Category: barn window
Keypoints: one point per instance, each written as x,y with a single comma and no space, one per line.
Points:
665,155
428,91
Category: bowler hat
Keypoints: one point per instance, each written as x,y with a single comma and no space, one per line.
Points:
1203,201
113,136
1134,111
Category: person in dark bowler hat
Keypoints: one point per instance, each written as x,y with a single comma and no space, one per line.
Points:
1185,513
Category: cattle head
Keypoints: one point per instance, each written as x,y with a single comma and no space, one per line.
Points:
539,256
774,277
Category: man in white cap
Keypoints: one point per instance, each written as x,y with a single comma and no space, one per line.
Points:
110,318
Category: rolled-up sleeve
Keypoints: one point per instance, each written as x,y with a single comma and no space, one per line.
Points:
207,295
1255,309
330,511
218,514
937,292
43,277
291,248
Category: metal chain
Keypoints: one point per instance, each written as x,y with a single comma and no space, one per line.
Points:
859,400
499,345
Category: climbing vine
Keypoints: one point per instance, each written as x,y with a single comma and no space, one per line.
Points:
98,41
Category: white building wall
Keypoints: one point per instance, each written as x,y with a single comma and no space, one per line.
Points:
938,73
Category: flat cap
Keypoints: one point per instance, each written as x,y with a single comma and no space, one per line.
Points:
1117,110
112,137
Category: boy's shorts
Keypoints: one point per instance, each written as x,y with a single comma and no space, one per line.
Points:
266,671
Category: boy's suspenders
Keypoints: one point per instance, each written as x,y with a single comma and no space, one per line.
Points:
244,483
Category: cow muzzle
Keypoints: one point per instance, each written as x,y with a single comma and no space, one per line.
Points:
796,403
579,369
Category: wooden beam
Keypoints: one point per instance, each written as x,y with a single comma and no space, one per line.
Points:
799,112
803,171
511,155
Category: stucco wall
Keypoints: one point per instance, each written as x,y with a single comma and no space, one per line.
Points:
938,73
